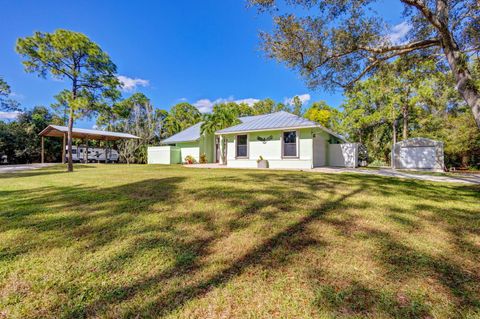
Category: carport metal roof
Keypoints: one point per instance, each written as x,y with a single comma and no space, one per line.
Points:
60,131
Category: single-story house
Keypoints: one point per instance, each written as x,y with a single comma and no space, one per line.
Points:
283,139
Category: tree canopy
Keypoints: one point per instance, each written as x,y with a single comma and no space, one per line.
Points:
19,139
6,102
423,99
323,114
336,43
136,115
181,116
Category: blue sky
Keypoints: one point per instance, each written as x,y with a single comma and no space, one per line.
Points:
195,51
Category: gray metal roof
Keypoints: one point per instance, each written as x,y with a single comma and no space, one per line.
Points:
273,121
277,120
245,119
59,131
189,134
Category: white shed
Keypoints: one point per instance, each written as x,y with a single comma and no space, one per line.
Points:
418,153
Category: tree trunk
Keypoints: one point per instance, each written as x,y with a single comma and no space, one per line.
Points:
69,141
405,122
70,127
394,141
64,146
394,132
465,160
463,78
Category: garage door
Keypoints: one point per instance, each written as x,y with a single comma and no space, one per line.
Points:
417,157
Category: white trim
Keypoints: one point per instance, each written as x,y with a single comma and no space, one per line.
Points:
248,147
175,142
297,142
266,129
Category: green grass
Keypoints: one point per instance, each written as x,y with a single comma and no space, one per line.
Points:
117,241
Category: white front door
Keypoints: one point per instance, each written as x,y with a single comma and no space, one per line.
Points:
319,149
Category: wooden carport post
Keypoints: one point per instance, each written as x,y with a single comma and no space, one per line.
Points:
43,150
63,147
105,151
86,150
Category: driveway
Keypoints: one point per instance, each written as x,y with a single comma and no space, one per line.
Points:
458,178
22,167
425,176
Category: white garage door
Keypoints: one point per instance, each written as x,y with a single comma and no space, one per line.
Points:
417,157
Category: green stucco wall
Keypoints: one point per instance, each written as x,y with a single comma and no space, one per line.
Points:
207,146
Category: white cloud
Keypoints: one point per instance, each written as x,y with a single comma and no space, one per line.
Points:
399,31
249,101
206,105
9,115
304,98
130,84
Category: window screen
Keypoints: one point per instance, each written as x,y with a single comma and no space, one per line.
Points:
290,144
241,145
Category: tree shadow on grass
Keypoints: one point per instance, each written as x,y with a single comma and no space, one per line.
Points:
50,170
357,300
403,262
400,263
304,198
291,240
36,210
353,299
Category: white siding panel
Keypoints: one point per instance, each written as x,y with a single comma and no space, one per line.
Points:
159,155
193,151
343,155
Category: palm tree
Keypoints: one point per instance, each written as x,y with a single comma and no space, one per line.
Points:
220,118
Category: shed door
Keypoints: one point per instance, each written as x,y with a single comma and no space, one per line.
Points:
318,151
417,157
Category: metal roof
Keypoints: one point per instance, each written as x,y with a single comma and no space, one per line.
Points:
60,131
190,134
274,121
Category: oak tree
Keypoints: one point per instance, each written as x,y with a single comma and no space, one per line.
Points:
340,41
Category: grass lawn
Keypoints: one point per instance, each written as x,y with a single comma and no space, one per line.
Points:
165,241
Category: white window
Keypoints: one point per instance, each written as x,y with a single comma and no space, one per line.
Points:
242,146
290,146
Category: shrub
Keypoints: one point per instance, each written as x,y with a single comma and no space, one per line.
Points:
203,158
378,163
189,159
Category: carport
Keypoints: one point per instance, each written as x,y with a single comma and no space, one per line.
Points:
80,133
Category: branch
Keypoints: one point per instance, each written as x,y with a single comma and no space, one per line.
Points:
422,7
395,51
403,48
